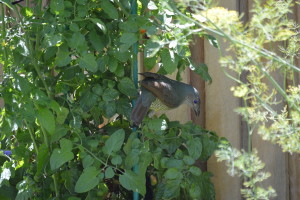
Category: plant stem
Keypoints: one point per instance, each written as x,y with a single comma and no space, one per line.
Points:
219,32
32,56
54,177
45,136
32,137
101,161
3,35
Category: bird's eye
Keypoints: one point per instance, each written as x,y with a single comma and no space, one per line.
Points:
196,101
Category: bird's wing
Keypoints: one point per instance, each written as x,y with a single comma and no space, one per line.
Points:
163,89
141,106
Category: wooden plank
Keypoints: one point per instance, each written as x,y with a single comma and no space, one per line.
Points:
243,9
294,160
271,154
197,51
197,55
221,118
294,176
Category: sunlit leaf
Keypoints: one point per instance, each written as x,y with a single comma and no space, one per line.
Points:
169,60
57,6
99,23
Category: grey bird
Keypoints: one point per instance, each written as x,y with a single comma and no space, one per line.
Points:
161,93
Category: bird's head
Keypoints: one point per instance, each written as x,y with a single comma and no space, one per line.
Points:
193,100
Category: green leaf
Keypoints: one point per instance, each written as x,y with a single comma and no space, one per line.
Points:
116,160
97,89
60,157
172,189
74,198
60,131
69,177
88,61
65,144
110,94
74,27
61,115
51,40
131,181
137,181
151,48
129,38
152,6
123,107
102,63
126,86
194,147
132,158
157,124
122,56
46,119
88,100
110,108
22,84
212,40
195,171
87,180
114,142
195,191
62,58
87,161
27,12
172,163
150,62
109,9
202,70
209,146
188,160
169,60
78,42
81,2
25,189
120,71
112,64
57,6
129,26
50,53
109,172
42,159
173,173
100,24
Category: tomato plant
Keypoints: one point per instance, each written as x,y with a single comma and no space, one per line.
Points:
68,92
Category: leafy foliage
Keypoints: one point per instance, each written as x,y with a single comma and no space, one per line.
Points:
67,71
261,60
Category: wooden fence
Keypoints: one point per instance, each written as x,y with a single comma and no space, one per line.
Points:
217,114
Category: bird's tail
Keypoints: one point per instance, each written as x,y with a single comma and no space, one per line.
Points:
139,111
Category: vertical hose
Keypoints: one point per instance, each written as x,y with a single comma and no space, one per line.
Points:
135,80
